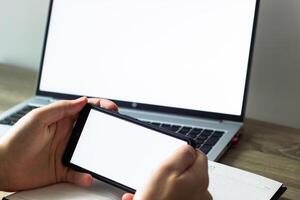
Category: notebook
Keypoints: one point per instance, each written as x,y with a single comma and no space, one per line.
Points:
226,183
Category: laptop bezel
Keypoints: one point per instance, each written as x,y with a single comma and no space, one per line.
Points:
157,108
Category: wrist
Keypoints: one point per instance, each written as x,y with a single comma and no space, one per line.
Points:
3,169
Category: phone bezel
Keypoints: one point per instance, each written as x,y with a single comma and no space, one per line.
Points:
76,133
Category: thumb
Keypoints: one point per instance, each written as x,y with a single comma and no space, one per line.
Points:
183,159
60,109
127,196
78,178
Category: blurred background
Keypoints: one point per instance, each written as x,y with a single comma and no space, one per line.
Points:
274,94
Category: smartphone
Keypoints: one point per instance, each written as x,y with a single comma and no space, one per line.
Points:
119,149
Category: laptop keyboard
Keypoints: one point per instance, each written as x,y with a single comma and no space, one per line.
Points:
12,119
205,138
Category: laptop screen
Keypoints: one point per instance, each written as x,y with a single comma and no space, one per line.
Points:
189,54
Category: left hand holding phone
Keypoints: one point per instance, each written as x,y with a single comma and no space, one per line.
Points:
31,153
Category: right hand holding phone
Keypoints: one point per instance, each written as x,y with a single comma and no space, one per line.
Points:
183,176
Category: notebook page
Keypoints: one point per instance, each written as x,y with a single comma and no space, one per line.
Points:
225,183
64,191
234,184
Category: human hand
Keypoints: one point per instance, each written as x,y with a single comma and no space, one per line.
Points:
31,153
183,176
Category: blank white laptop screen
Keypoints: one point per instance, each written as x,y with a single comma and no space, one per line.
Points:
105,149
190,54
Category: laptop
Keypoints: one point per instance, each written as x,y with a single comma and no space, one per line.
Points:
181,65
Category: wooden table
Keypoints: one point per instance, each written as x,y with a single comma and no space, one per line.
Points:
266,149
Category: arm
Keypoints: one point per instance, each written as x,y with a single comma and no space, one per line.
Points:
3,167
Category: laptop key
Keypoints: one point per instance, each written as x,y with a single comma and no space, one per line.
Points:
13,122
18,115
218,133
198,145
155,123
185,130
192,134
196,130
5,122
12,119
201,137
22,112
29,108
207,132
166,126
200,141
175,128
205,148
212,140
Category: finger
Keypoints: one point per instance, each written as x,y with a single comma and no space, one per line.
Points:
107,104
181,160
104,103
201,162
77,178
60,110
209,196
127,196
199,170
94,101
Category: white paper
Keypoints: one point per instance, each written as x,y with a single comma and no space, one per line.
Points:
64,191
235,184
226,183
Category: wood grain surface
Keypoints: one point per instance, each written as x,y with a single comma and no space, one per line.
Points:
16,85
266,149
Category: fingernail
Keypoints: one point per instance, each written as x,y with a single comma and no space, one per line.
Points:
81,99
88,180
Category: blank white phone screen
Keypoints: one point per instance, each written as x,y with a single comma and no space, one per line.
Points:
120,150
